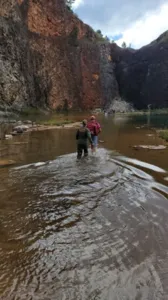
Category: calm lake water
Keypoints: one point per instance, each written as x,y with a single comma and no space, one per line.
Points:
93,229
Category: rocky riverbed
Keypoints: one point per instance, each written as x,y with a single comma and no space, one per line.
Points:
13,128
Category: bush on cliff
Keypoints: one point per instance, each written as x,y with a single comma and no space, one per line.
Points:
101,38
69,3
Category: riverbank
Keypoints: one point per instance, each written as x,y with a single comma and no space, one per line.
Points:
47,126
11,128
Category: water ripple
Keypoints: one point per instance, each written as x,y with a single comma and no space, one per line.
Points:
94,229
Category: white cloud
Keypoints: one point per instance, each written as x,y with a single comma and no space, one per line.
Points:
147,29
77,3
139,22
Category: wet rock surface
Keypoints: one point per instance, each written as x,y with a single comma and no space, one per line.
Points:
94,229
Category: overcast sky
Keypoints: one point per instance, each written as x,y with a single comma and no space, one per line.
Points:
134,21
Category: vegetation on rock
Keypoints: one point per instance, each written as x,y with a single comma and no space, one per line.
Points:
101,37
124,45
69,3
164,134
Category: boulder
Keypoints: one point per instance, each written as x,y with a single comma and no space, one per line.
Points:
8,136
21,128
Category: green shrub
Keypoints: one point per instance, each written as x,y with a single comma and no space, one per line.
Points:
164,134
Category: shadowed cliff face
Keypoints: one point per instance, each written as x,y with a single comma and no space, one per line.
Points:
142,75
49,57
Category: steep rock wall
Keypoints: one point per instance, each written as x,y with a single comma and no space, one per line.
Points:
142,75
48,57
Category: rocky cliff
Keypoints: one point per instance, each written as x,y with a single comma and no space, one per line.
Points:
142,75
49,58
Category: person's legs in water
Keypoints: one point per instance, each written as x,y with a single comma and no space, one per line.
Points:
92,146
85,147
95,142
79,150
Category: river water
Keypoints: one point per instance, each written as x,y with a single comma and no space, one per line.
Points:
85,230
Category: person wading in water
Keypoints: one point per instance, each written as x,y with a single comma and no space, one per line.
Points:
95,129
82,137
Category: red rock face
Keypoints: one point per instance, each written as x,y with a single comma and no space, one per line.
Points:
46,17
91,85
64,61
52,18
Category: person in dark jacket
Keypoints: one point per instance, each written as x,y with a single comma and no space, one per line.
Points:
82,136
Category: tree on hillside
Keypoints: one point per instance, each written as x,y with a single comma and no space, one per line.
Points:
101,37
124,45
69,3
99,33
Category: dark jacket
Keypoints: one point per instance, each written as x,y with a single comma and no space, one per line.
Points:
83,135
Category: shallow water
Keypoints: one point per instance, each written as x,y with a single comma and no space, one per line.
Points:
93,229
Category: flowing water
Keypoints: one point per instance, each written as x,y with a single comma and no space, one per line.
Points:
84,230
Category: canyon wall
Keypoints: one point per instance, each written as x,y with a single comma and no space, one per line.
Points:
142,75
51,59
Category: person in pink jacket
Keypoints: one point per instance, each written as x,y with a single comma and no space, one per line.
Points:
95,129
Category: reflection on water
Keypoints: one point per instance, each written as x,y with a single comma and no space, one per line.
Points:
93,229
153,120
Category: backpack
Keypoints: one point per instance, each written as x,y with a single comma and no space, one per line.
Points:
82,133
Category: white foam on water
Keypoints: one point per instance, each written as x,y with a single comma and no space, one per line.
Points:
38,164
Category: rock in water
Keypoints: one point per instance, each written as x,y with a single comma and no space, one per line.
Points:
21,128
8,136
150,147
